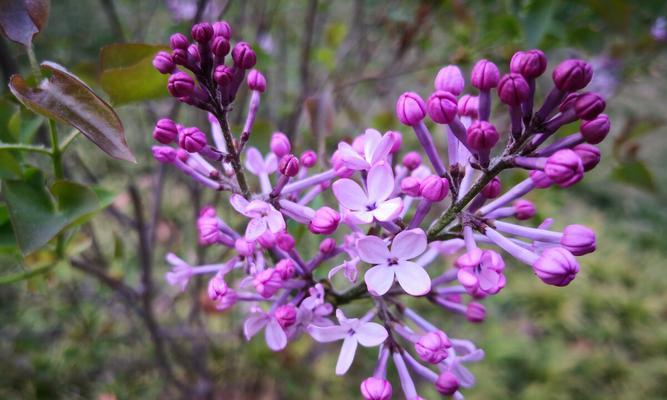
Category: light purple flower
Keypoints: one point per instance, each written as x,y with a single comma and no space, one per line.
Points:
263,216
274,334
376,148
481,272
395,262
349,268
376,204
180,273
353,331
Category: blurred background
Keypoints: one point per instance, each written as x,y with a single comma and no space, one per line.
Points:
82,328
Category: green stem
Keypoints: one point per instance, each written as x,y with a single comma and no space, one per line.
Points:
25,147
68,140
56,154
33,62
235,158
21,276
353,293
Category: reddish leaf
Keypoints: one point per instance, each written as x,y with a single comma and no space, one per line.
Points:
65,98
21,20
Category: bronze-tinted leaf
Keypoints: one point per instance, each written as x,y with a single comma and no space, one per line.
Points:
21,20
65,98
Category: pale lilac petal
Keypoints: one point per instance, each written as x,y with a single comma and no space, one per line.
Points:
359,217
370,334
239,203
450,246
325,334
380,183
256,228
346,355
413,278
254,162
388,210
465,377
350,194
379,279
351,158
382,149
275,220
333,271
253,324
467,278
270,163
371,139
256,208
275,335
409,244
373,250
488,279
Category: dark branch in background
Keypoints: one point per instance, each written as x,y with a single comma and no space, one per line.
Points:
114,21
201,6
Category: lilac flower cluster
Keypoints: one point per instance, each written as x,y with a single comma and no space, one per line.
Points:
383,205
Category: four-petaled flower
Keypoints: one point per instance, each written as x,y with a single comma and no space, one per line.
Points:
394,262
363,208
481,272
353,331
263,216
275,336
376,149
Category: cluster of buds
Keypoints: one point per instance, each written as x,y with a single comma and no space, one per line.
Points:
377,224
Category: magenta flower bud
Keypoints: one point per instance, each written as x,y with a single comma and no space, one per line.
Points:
475,312
256,81
589,105
340,166
376,389
450,79
289,165
397,141
447,384
524,209
193,52
513,89
163,62
589,154
434,188
220,46
468,106
179,41
556,266
432,347
492,189
165,131
328,245
222,28
207,227
411,186
324,222
285,241
244,248
218,291
410,109
595,130
244,56
286,315
412,160
530,63
267,240
164,154
564,167
578,239
572,75
540,179
442,107
180,56
223,75
182,155
569,102
267,282
308,159
280,145
485,75
285,268
202,32
482,135
192,139
180,84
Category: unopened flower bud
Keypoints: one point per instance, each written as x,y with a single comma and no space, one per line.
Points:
220,46
434,188
180,84
193,52
324,222
267,240
289,165
412,160
202,32
328,245
207,227
222,28
223,75
164,63
280,144
244,56
450,79
267,282
578,239
556,266
411,186
475,312
286,315
285,241
523,209
376,389
285,268
182,155
164,154
589,105
513,89
308,159
447,384
218,291
244,248
564,167
589,154
179,41
482,135
595,130
569,101
530,63
397,141
165,131
485,75
540,179
442,107
410,108
432,347
192,140
180,56
468,106
256,81
492,189
572,75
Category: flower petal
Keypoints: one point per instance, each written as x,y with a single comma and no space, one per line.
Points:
275,335
467,278
253,324
256,208
373,250
380,183
409,244
325,334
256,228
350,194
370,334
382,149
239,203
351,158
488,279
379,279
270,163
346,355
388,210
413,278
359,217
275,221
254,162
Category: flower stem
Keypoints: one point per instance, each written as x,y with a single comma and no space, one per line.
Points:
231,149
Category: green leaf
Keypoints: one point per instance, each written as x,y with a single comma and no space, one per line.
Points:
635,173
128,74
537,21
9,165
65,98
7,239
21,20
